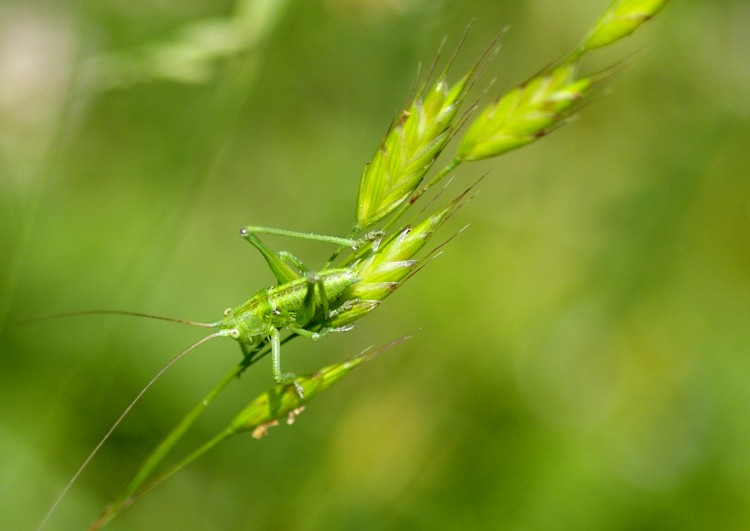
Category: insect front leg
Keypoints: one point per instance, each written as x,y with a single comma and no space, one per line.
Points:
278,376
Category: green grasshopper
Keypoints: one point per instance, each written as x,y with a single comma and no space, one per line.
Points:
299,298
302,302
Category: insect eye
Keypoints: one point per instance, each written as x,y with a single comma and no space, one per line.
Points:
227,312
234,333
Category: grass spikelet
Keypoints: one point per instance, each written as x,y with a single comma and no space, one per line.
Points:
408,151
283,400
383,270
621,19
524,114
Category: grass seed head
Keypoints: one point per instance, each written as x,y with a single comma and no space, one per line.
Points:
382,271
524,114
621,19
283,400
408,151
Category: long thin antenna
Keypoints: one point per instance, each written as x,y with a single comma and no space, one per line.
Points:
116,312
122,417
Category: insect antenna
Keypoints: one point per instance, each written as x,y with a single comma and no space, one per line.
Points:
116,312
127,410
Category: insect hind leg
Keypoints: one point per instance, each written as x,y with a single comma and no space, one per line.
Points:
286,256
281,270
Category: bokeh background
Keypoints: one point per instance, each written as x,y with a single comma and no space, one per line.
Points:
584,354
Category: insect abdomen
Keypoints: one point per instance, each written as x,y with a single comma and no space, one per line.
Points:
292,294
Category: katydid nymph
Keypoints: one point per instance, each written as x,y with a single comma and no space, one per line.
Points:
292,304
299,298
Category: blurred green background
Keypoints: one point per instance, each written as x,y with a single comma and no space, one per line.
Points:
584,359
